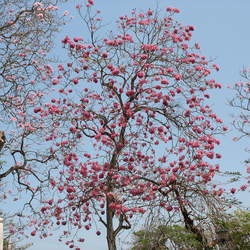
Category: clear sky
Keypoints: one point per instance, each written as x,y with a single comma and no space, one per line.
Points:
222,30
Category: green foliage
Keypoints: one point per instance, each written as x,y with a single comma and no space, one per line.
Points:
232,233
238,230
166,237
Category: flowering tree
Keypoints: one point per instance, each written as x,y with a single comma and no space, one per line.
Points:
26,35
241,102
120,130
128,126
27,29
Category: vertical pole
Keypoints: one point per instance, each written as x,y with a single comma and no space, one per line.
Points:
1,233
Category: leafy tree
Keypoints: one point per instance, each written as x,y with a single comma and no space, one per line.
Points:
125,128
166,237
230,232
188,230
236,231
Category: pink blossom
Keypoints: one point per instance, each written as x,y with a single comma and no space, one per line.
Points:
66,13
150,12
216,67
243,187
105,55
169,208
177,77
115,72
140,74
33,233
164,81
248,170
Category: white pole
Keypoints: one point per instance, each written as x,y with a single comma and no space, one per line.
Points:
1,233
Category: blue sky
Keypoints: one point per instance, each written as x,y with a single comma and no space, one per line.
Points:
222,30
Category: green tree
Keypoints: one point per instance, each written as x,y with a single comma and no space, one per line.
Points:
166,237
235,231
231,232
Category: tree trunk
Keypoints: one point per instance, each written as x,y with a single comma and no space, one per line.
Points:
111,241
111,237
189,223
2,139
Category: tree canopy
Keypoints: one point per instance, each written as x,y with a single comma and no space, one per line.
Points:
120,131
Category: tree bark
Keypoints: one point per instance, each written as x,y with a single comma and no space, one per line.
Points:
110,227
189,223
2,139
